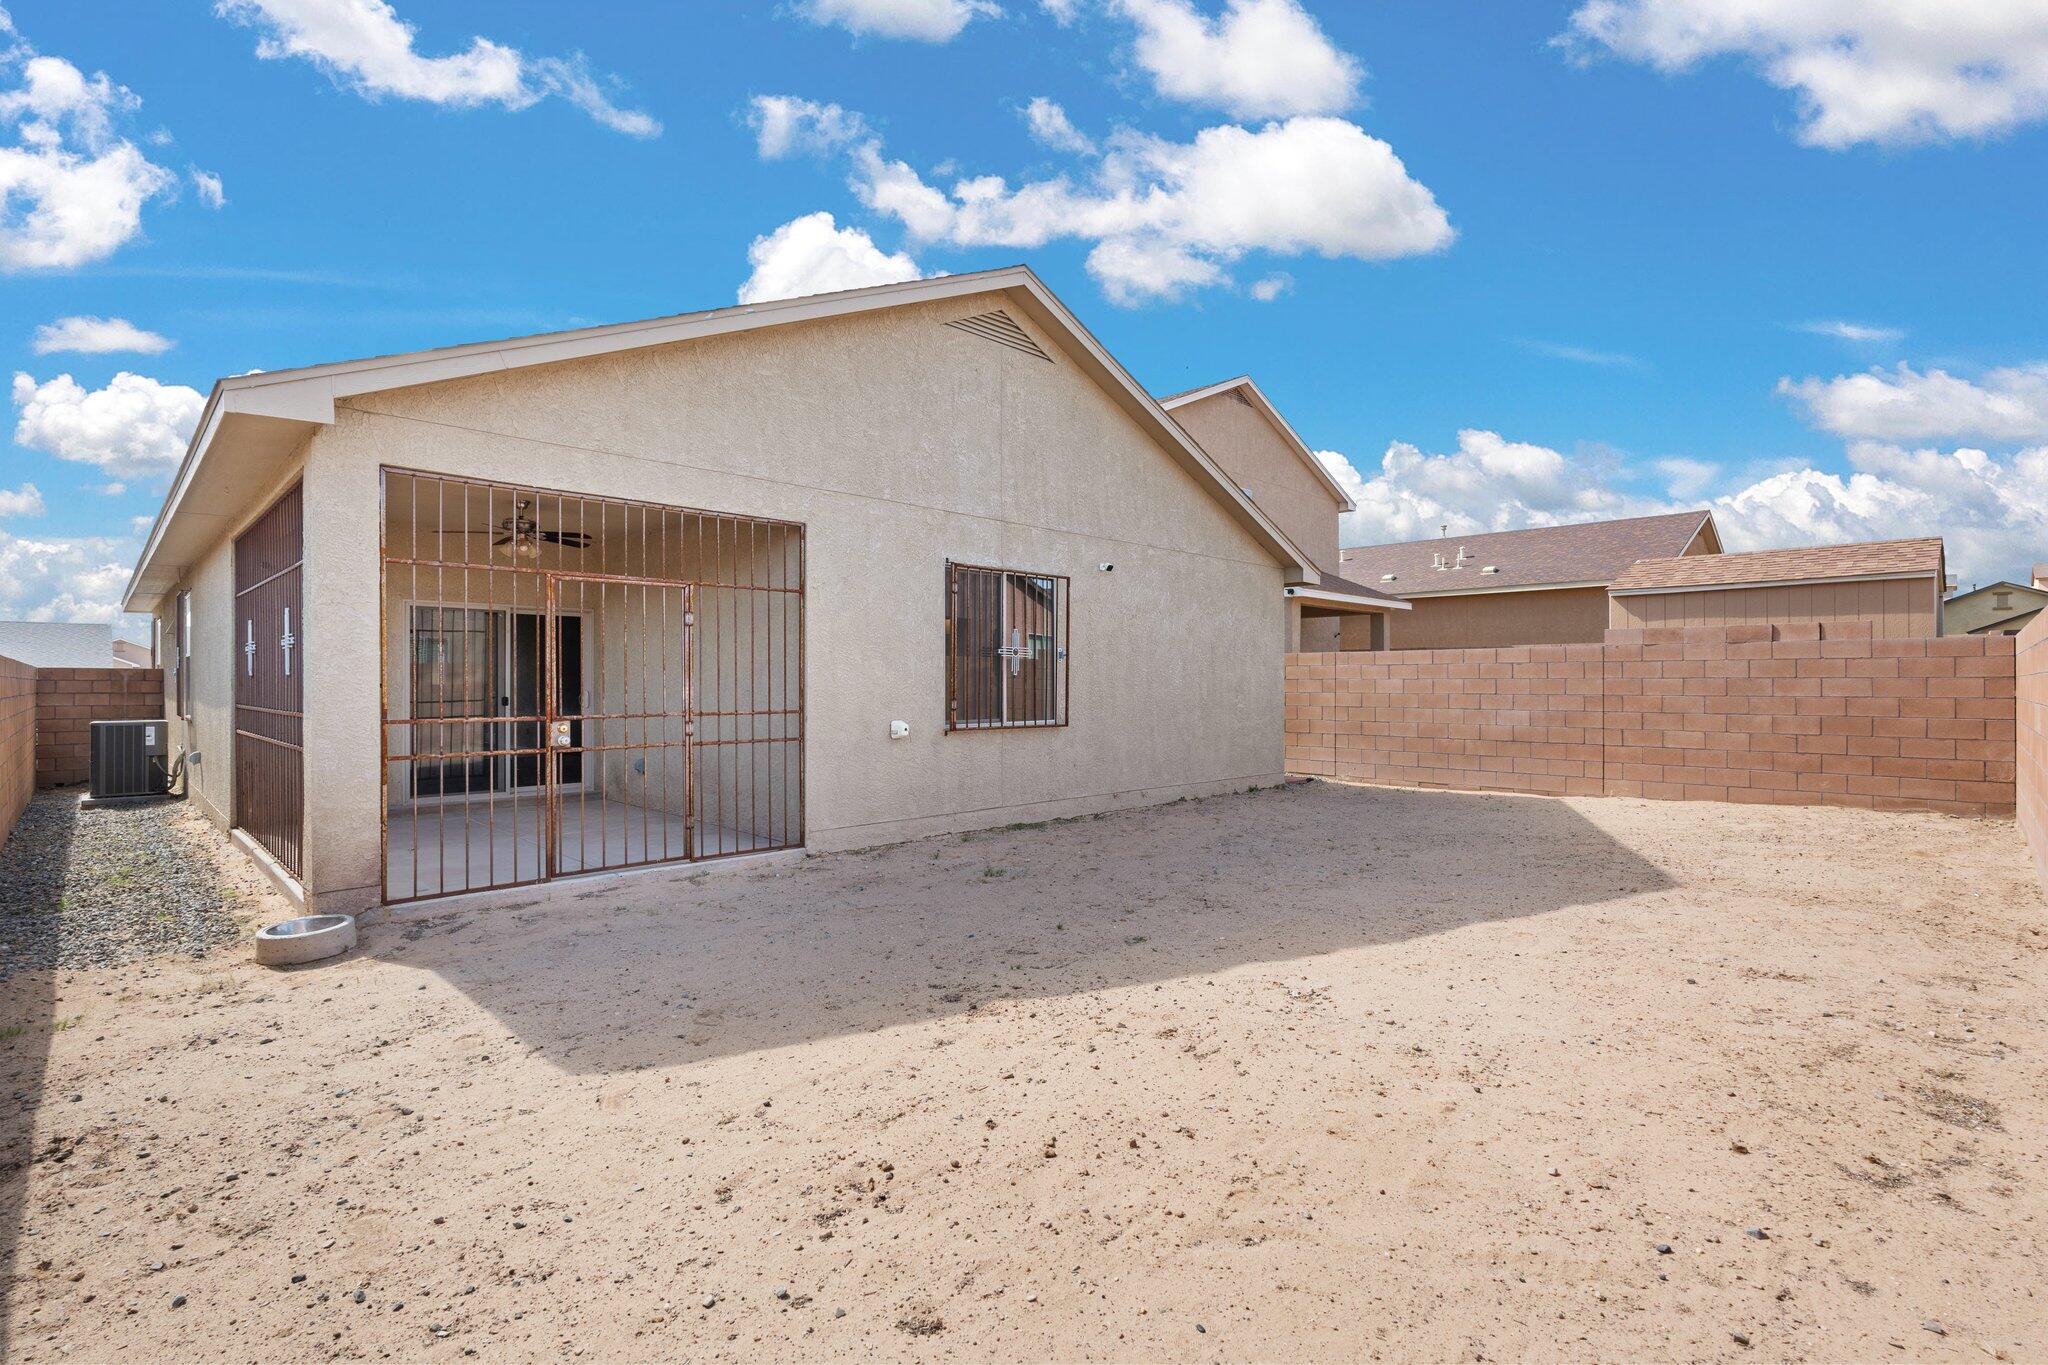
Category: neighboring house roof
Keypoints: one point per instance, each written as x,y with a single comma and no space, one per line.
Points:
2009,625
1585,554
58,644
1341,592
1865,559
1264,407
2003,585
132,654
252,423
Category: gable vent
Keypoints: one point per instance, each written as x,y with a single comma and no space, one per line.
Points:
999,328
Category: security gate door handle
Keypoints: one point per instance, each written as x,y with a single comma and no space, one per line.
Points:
558,734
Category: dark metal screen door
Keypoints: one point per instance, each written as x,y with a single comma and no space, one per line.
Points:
632,740
269,662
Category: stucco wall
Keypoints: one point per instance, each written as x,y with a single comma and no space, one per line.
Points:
1240,439
898,443
1897,609
1564,616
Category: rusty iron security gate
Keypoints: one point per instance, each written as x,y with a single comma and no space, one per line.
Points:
577,684
269,664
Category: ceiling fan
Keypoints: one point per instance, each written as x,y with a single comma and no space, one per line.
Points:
524,535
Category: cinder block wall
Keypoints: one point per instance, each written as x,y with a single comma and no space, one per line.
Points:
17,741
2031,718
69,700
1784,714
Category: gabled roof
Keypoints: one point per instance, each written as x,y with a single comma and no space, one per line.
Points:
2002,585
1586,554
1864,559
253,423
1264,407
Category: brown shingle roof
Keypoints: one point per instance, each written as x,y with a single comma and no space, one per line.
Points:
1589,552
1332,583
1862,560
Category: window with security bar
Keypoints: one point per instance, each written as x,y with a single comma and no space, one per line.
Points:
1006,649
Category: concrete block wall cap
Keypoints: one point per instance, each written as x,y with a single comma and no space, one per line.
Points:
309,938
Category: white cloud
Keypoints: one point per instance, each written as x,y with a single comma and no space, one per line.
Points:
1170,216
1272,286
785,125
364,45
1583,355
1884,71
25,501
1860,333
1992,513
1488,483
135,427
71,190
97,336
208,187
1685,478
57,578
1062,12
1050,125
924,21
813,255
1258,59
1903,404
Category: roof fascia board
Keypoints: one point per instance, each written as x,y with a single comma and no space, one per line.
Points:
1909,574
1279,423
1510,587
308,394
1347,600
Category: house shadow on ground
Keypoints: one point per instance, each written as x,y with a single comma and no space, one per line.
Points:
618,974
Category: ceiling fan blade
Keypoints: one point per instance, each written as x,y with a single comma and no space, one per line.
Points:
501,540
575,540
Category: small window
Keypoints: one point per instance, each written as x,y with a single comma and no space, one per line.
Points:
1006,649
181,654
2001,601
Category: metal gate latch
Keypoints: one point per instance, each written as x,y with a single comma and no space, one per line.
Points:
558,734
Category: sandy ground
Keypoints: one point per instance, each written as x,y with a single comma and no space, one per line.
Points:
1323,1073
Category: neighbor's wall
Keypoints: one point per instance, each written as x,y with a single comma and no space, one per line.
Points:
1240,439
1560,616
17,741
898,442
69,700
1897,609
1797,715
2031,717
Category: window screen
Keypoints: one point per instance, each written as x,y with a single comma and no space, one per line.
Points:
1006,649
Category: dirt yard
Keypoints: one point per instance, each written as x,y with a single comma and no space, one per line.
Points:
1322,1073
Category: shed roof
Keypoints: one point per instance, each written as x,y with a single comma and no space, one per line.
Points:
1585,554
1864,559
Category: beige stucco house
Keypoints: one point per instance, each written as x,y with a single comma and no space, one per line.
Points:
1239,426
2002,608
813,574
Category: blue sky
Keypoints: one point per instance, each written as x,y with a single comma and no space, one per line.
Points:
1510,264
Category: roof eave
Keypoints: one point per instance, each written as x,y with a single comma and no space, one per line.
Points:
304,398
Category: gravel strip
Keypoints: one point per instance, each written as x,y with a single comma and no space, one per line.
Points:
97,888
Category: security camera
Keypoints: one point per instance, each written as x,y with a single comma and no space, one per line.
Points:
1107,568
